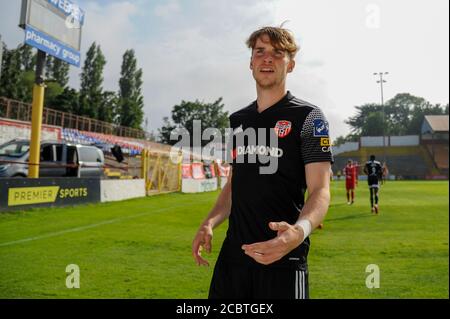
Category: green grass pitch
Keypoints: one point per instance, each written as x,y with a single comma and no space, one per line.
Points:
142,248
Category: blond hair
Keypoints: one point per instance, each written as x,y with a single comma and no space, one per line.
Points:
280,38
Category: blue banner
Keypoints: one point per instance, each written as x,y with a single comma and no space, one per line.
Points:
69,9
51,46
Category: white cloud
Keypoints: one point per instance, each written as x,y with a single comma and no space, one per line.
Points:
167,10
112,28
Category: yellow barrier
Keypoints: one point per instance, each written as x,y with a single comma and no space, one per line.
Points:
161,173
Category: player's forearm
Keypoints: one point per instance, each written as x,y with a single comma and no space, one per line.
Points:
316,206
221,209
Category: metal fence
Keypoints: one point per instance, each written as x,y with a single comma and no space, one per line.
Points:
161,171
17,110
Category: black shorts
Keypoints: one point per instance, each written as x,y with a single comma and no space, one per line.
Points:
373,182
232,281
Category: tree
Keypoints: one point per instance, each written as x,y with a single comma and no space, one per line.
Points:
11,82
418,116
358,122
398,112
67,101
27,80
52,91
165,130
373,125
57,70
211,115
108,107
91,82
27,57
131,101
404,114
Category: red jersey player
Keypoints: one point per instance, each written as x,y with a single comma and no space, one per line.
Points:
350,172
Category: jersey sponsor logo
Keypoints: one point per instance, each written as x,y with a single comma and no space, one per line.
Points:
325,141
320,128
326,149
283,128
259,150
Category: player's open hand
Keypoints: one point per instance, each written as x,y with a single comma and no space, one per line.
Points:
268,252
202,241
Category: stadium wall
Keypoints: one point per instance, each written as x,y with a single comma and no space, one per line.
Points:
408,140
113,190
374,141
346,147
199,185
12,129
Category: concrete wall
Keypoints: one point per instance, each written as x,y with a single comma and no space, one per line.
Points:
373,141
198,185
377,141
346,147
408,140
116,190
10,129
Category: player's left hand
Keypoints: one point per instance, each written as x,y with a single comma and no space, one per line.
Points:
268,252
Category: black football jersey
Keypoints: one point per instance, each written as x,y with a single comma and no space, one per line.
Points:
374,169
269,153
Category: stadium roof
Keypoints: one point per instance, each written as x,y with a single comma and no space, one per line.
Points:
438,123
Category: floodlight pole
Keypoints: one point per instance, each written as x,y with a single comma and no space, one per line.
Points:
381,81
36,116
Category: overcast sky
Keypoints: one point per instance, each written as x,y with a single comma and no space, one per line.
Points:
195,49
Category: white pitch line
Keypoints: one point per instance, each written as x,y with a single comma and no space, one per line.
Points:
77,229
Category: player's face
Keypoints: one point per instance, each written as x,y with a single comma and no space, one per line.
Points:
270,65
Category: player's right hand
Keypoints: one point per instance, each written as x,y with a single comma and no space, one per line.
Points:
202,241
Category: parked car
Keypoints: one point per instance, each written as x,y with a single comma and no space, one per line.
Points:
58,159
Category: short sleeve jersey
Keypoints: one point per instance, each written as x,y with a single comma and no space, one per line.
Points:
289,135
350,172
374,169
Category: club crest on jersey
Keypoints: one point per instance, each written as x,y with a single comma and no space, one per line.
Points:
283,128
320,128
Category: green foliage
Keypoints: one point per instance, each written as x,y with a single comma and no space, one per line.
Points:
27,79
131,100
57,70
27,58
165,130
373,125
52,91
11,82
211,115
108,107
91,82
67,101
18,77
403,115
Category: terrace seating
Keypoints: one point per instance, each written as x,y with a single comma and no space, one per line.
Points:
128,146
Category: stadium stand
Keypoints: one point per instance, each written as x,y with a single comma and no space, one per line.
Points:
128,146
435,136
407,157
406,162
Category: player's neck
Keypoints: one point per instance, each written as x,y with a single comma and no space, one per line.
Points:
268,97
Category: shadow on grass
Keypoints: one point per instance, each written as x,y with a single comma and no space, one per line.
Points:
355,216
